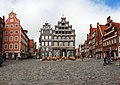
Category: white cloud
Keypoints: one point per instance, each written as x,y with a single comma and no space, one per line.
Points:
80,13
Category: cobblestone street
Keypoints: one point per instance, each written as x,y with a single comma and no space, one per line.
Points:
35,72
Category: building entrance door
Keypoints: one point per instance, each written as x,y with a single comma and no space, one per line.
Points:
64,52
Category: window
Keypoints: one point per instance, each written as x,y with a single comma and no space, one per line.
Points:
67,37
42,54
50,31
63,37
16,46
42,43
55,43
6,32
11,25
16,25
6,46
47,49
11,38
42,37
66,43
16,38
16,32
59,37
114,40
6,26
11,32
6,38
49,43
11,46
63,23
50,37
46,37
11,20
46,43
43,49
72,38
55,37
71,43
60,43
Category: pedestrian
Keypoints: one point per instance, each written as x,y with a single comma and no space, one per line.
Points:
82,56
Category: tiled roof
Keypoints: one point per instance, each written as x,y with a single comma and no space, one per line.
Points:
116,25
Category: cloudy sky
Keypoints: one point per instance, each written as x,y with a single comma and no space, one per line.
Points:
80,13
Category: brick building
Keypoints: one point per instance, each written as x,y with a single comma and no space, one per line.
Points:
2,25
15,39
98,40
111,38
91,41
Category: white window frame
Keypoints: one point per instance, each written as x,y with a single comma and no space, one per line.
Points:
15,45
10,45
11,25
16,31
50,37
11,31
46,43
43,37
6,26
50,43
5,46
15,38
42,43
6,38
46,37
11,37
6,32
71,43
17,25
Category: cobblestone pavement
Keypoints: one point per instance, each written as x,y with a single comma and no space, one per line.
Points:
35,72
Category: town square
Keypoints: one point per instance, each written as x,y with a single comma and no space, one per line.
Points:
74,42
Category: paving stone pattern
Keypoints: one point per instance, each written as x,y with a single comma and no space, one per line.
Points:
35,72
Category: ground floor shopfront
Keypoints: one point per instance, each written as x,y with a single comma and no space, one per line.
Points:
15,55
112,51
58,52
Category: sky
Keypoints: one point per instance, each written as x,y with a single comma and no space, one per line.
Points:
80,14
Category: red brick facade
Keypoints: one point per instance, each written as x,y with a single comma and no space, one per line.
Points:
111,38
98,40
91,41
103,38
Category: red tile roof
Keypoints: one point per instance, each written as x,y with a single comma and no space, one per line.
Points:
116,25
